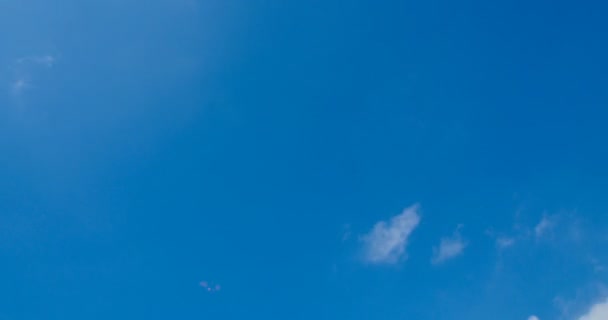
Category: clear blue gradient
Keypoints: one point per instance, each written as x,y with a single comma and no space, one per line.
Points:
253,143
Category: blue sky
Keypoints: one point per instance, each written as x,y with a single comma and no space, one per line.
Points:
204,159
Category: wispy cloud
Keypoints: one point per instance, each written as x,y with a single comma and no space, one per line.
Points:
533,318
44,60
209,287
505,242
544,226
449,248
545,229
18,86
386,243
346,232
25,67
598,311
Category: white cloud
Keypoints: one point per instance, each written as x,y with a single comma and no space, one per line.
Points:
449,248
543,226
25,69
18,86
505,242
346,233
597,265
533,318
387,241
45,60
597,312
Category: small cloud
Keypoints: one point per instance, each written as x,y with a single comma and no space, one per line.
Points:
502,241
25,69
18,86
209,287
597,312
387,241
545,225
597,265
505,242
45,60
533,318
346,233
449,248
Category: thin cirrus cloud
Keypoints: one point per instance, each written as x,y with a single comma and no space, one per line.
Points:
505,242
19,85
44,60
25,67
542,230
449,248
386,243
533,318
209,287
544,226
